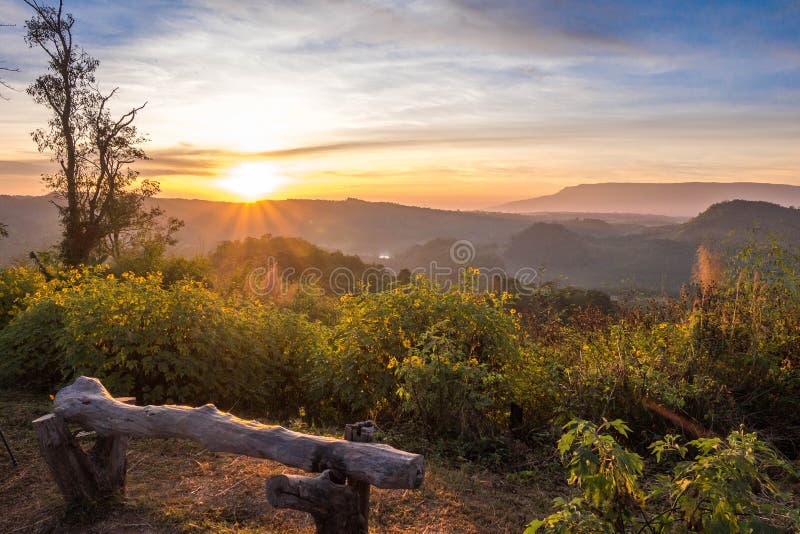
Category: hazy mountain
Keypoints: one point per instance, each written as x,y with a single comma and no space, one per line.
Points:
655,258
353,226
739,220
602,251
610,262
679,199
32,225
370,229
439,253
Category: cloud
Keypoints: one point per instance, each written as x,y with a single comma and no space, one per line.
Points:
353,87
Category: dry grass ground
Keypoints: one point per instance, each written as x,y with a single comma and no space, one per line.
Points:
175,486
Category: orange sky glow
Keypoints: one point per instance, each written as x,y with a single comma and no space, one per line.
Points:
386,101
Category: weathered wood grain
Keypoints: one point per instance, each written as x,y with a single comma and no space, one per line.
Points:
87,403
361,432
82,477
334,506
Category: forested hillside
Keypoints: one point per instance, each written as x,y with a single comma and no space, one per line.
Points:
353,226
470,376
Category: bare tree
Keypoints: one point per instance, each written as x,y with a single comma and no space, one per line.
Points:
93,149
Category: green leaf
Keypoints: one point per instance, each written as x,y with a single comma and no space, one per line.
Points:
534,526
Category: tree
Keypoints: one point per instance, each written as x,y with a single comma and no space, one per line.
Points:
128,224
104,204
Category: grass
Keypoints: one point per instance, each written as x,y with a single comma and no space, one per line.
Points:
176,486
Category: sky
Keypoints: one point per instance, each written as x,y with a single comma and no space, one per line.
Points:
453,104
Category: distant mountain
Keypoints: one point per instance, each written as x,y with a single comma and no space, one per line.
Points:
678,199
32,225
654,258
605,262
740,220
370,229
439,253
607,251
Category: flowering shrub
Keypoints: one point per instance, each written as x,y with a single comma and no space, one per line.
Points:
442,357
16,283
180,343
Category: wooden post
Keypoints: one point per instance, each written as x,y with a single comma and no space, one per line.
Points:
81,477
337,507
333,505
68,463
110,460
361,432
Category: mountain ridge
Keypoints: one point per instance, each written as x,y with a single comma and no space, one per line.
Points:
651,252
354,226
685,199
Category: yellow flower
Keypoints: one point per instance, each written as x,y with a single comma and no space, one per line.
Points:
407,343
586,347
392,363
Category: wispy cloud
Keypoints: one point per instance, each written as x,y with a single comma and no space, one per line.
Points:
558,92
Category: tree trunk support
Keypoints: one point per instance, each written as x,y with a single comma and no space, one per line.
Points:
337,507
334,505
360,432
81,477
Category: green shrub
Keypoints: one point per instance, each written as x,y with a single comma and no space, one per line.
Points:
612,371
32,344
401,351
175,345
180,343
725,487
447,390
31,349
16,283
282,349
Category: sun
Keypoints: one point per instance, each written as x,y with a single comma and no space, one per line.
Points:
252,180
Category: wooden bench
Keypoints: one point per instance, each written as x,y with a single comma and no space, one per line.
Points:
338,498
